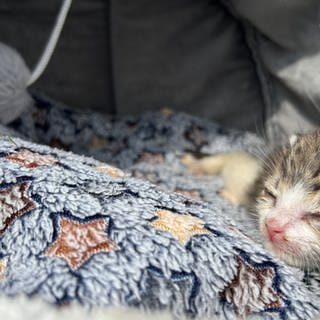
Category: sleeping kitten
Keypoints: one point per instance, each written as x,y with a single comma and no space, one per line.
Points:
283,190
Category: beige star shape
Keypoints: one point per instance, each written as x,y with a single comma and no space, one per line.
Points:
78,242
181,226
3,267
111,171
167,112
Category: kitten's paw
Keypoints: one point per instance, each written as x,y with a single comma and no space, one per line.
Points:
192,164
230,197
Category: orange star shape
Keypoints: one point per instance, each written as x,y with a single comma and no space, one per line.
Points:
14,203
31,159
257,279
181,226
77,242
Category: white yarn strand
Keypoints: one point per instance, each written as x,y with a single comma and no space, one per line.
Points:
51,44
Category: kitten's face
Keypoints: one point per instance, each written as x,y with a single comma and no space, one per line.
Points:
289,204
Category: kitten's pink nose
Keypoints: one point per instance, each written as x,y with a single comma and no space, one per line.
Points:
275,228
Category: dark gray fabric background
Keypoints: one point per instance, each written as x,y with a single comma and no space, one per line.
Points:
78,73
285,40
255,59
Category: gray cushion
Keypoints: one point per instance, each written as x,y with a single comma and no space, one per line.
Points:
127,57
176,53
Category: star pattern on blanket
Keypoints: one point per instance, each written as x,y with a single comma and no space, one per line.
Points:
167,112
3,267
31,160
251,290
97,143
219,266
77,241
197,136
111,171
181,226
14,203
151,158
191,194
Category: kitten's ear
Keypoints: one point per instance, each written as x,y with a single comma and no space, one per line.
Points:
293,139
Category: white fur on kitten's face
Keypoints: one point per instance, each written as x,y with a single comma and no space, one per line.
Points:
291,236
289,204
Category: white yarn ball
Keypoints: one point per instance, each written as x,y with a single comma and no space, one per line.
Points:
14,76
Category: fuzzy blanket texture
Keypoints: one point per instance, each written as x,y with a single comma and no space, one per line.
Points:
73,228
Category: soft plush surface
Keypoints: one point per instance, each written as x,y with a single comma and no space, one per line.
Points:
75,229
34,309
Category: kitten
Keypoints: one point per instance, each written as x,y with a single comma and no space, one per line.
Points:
283,190
288,201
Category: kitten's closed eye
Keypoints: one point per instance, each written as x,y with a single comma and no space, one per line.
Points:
269,196
312,216
313,219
